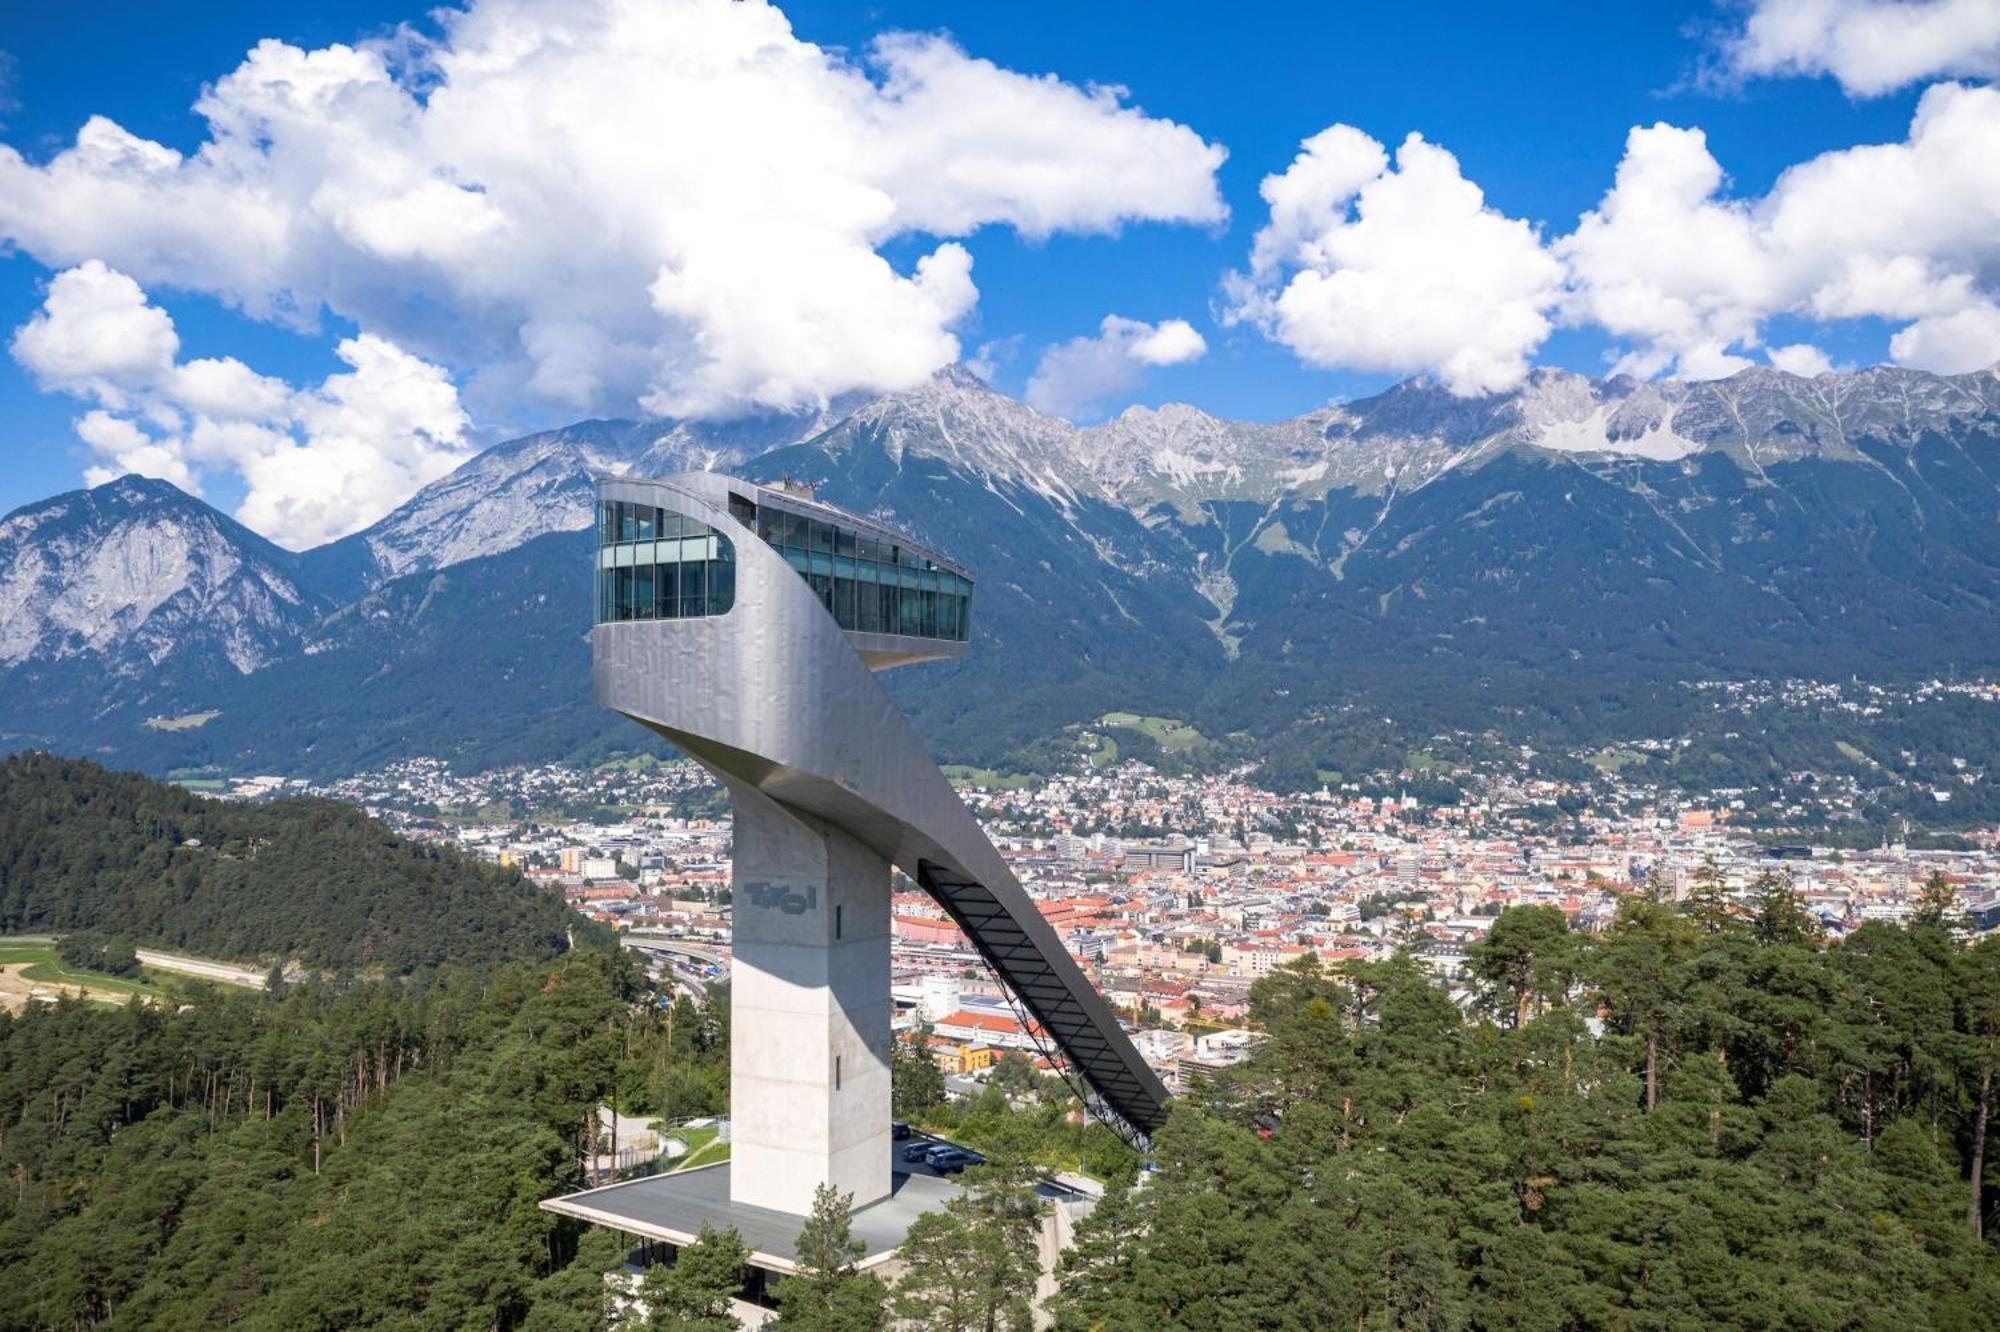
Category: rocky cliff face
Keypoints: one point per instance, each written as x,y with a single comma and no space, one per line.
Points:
135,578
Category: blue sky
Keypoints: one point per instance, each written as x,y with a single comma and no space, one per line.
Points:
1533,101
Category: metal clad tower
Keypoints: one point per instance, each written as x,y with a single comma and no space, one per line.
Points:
745,623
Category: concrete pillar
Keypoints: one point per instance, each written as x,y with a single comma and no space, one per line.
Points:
809,1010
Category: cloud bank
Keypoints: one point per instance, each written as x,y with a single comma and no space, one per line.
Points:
316,462
1870,46
663,206
1405,267
615,203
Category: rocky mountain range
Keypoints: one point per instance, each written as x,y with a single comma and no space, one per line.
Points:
1552,562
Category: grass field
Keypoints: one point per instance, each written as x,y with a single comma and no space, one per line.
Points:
1611,760
1170,733
989,778
39,964
1855,754
705,1147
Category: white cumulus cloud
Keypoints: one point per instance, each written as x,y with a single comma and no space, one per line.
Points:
1686,275
1801,358
1074,378
1404,267
1952,344
94,334
1870,46
316,463
604,204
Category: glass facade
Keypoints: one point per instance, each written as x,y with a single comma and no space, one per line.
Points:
653,564
872,584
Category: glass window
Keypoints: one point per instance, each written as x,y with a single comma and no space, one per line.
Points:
843,541
930,613
769,526
797,529
623,609
867,611
661,565
694,581
822,537
843,602
721,585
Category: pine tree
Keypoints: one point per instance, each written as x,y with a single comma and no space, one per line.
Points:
916,1083
1937,903
1636,966
1979,988
1097,1272
1782,916
827,1294
694,1294
1528,957
1708,898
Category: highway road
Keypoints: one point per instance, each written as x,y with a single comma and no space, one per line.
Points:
227,973
687,963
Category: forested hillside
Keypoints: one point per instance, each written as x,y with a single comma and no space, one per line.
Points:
312,881
1767,1133
1699,1119
326,1158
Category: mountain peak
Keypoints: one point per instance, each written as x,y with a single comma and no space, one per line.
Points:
958,375
134,571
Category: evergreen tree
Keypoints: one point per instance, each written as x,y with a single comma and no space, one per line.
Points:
1708,898
1782,917
916,1083
694,1293
1937,903
1527,958
1636,967
1097,1273
1979,988
973,1264
827,1294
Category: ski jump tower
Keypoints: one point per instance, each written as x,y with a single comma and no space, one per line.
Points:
745,624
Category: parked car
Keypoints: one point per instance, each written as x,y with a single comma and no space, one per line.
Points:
917,1151
947,1160
898,1130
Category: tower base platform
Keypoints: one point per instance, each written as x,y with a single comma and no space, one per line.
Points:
671,1209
